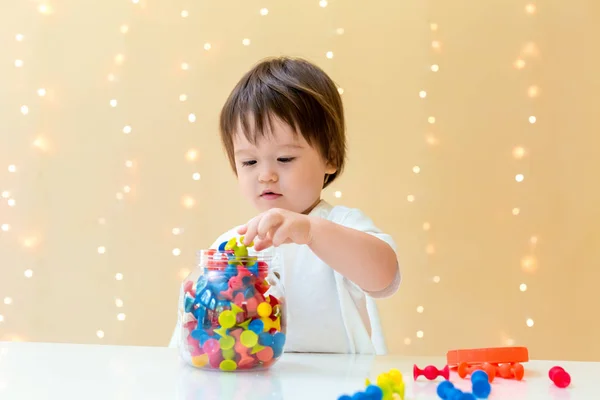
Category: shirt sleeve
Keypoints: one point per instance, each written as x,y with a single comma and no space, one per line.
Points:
356,219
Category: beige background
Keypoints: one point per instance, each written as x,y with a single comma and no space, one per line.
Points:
62,203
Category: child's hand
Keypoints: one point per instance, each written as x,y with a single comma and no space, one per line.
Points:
276,227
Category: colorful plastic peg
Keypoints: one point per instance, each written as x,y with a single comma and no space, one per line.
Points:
559,376
465,369
431,372
481,388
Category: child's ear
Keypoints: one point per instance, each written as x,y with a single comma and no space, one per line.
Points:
330,169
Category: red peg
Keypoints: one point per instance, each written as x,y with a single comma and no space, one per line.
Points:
188,288
227,294
431,372
559,376
465,369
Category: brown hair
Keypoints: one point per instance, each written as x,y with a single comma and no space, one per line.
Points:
298,93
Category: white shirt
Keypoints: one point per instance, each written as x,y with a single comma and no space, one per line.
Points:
326,312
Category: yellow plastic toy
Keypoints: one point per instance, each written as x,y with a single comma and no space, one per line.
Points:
239,250
391,383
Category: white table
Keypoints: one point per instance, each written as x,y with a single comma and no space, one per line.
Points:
39,371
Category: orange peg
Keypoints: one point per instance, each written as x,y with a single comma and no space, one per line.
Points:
510,371
465,369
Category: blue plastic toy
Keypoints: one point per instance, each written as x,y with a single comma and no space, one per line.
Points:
257,326
481,385
372,392
447,391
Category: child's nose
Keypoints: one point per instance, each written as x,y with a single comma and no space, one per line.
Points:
268,175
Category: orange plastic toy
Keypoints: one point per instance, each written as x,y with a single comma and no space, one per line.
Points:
492,355
510,371
465,369
495,361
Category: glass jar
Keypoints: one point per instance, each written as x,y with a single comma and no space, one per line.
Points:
232,312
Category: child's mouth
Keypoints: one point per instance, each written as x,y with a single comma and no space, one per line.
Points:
270,195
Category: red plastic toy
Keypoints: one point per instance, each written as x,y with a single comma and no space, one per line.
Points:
431,372
559,376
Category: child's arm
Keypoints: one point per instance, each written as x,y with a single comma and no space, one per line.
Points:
363,258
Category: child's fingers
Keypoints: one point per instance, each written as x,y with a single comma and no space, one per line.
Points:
282,234
242,229
269,224
251,230
261,244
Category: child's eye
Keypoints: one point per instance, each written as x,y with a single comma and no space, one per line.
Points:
248,163
285,159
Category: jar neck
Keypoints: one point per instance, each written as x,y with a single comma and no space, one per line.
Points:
215,259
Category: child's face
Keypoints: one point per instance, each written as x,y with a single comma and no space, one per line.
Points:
282,170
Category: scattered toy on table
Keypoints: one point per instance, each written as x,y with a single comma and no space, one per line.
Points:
483,365
510,371
391,384
492,355
232,320
372,392
446,390
559,376
465,369
481,388
431,372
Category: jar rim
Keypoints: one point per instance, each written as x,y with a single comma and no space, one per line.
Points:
220,260
219,255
